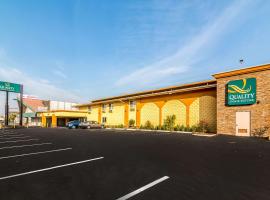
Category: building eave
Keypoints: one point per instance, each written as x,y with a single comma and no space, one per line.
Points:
152,93
247,70
55,111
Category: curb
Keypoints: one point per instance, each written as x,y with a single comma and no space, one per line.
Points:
147,130
204,135
164,131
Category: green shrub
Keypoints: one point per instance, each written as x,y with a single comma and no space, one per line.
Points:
162,127
203,127
158,127
186,128
131,122
194,128
260,132
179,128
169,122
119,126
148,125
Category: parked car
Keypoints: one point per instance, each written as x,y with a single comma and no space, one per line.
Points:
73,124
90,124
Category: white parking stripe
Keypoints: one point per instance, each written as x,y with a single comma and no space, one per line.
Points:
143,188
35,153
19,137
8,132
50,168
14,141
26,145
3,135
10,135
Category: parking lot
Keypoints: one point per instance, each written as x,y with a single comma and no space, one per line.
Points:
108,164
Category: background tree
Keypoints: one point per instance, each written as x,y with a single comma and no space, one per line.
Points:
11,118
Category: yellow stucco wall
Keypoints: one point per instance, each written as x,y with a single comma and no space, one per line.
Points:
93,115
177,108
83,108
150,112
194,113
189,109
64,114
208,111
116,117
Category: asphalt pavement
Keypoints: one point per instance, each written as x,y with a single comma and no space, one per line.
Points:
39,163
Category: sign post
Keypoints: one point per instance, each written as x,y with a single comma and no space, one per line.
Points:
21,106
6,110
12,87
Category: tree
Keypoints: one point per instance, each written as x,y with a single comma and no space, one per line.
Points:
131,123
12,117
169,122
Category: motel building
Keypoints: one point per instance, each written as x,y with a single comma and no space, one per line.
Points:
48,113
234,103
59,113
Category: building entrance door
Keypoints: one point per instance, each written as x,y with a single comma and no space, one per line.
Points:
243,123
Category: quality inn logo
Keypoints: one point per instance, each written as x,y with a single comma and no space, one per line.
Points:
233,89
241,92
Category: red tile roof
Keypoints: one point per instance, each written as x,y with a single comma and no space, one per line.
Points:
34,104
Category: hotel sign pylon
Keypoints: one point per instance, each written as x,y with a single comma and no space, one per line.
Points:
12,87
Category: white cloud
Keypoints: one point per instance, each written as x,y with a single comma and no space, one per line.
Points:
40,87
59,70
59,73
150,74
189,54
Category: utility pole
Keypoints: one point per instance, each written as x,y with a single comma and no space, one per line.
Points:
6,110
21,106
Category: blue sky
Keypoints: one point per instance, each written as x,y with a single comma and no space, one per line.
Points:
78,50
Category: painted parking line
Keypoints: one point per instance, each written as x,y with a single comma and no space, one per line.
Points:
7,132
143,188
19,137
26,145
14,141
50,168
35,153
3,136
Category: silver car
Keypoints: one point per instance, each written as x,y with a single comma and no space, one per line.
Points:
90,124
